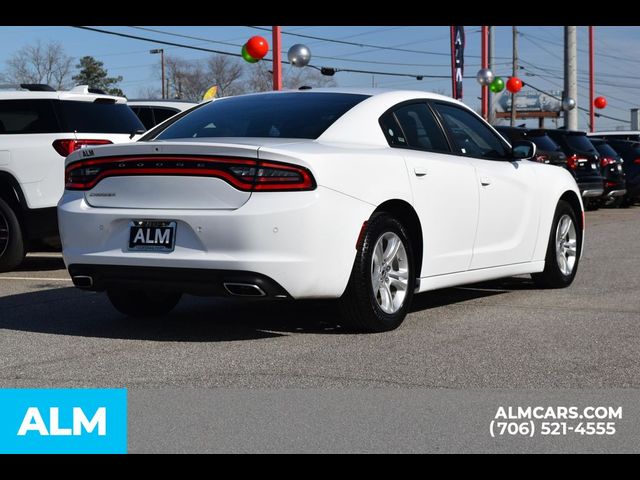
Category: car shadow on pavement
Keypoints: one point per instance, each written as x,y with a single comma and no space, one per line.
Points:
40,264
68,311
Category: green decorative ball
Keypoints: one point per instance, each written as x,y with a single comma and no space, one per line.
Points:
497,85
246,56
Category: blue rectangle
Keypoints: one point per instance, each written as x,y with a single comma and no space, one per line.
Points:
63,421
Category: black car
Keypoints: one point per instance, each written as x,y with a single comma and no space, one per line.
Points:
612,170
630,153
583,161
547,150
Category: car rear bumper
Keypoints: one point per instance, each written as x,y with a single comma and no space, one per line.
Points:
193,281
296,240
591,187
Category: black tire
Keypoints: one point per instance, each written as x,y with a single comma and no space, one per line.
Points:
552,276
359,306
617,202
591,205
140,303
12,248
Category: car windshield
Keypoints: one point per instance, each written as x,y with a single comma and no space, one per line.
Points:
285,115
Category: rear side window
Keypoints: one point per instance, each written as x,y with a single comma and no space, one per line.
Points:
392,131
91,117
420,128
280,115
161,114
145,114
473,137
27,116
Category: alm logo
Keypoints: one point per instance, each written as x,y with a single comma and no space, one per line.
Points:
33,422
63,421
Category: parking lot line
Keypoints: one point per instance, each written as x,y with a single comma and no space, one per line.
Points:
39,279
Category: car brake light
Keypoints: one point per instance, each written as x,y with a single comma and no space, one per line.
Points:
67,146
572,162
637,161
607,161
245,174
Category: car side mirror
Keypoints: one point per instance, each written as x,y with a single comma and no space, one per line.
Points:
523,150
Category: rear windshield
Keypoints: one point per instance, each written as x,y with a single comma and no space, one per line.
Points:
286,115
605,150
580,143
544,142
90,117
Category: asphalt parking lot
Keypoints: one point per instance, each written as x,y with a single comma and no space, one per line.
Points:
502,334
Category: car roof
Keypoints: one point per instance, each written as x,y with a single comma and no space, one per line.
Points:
79,93
614,132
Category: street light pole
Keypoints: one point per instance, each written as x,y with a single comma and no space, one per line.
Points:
161,52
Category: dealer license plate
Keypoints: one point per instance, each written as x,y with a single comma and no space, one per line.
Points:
152,235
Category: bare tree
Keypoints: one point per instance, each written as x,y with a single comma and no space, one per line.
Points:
40,63
148,92
260,78
187,79
226,73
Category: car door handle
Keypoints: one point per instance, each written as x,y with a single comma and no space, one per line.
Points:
420,171
485,181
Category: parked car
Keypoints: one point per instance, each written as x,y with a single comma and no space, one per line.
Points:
630,153
615,186
583,161
633,135
361,195
548,151
154,112
39,127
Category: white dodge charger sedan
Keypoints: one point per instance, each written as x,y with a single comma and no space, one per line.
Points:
367,196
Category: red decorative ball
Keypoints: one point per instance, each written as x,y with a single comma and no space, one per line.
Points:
600,102
257,47
514,84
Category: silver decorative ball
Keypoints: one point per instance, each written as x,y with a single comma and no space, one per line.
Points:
568,104
485,77
299,55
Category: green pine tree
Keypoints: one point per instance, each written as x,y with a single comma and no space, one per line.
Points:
92,73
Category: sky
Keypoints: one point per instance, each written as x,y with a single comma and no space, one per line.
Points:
617,60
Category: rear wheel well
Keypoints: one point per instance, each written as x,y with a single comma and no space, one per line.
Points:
10,191
405,213
572,199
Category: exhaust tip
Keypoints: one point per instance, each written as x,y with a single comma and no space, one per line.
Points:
244,289
83,281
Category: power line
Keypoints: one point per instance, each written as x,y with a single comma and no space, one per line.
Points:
365,45
579,108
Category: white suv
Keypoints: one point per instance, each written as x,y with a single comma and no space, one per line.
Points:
39,127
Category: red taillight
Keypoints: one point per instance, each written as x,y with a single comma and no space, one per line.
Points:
610,184
606,161
67,146
245,174
574,160
637,161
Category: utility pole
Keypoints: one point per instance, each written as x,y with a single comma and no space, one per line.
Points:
571,76
492,111
592,73
276,36
484,32
161,52
514,73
